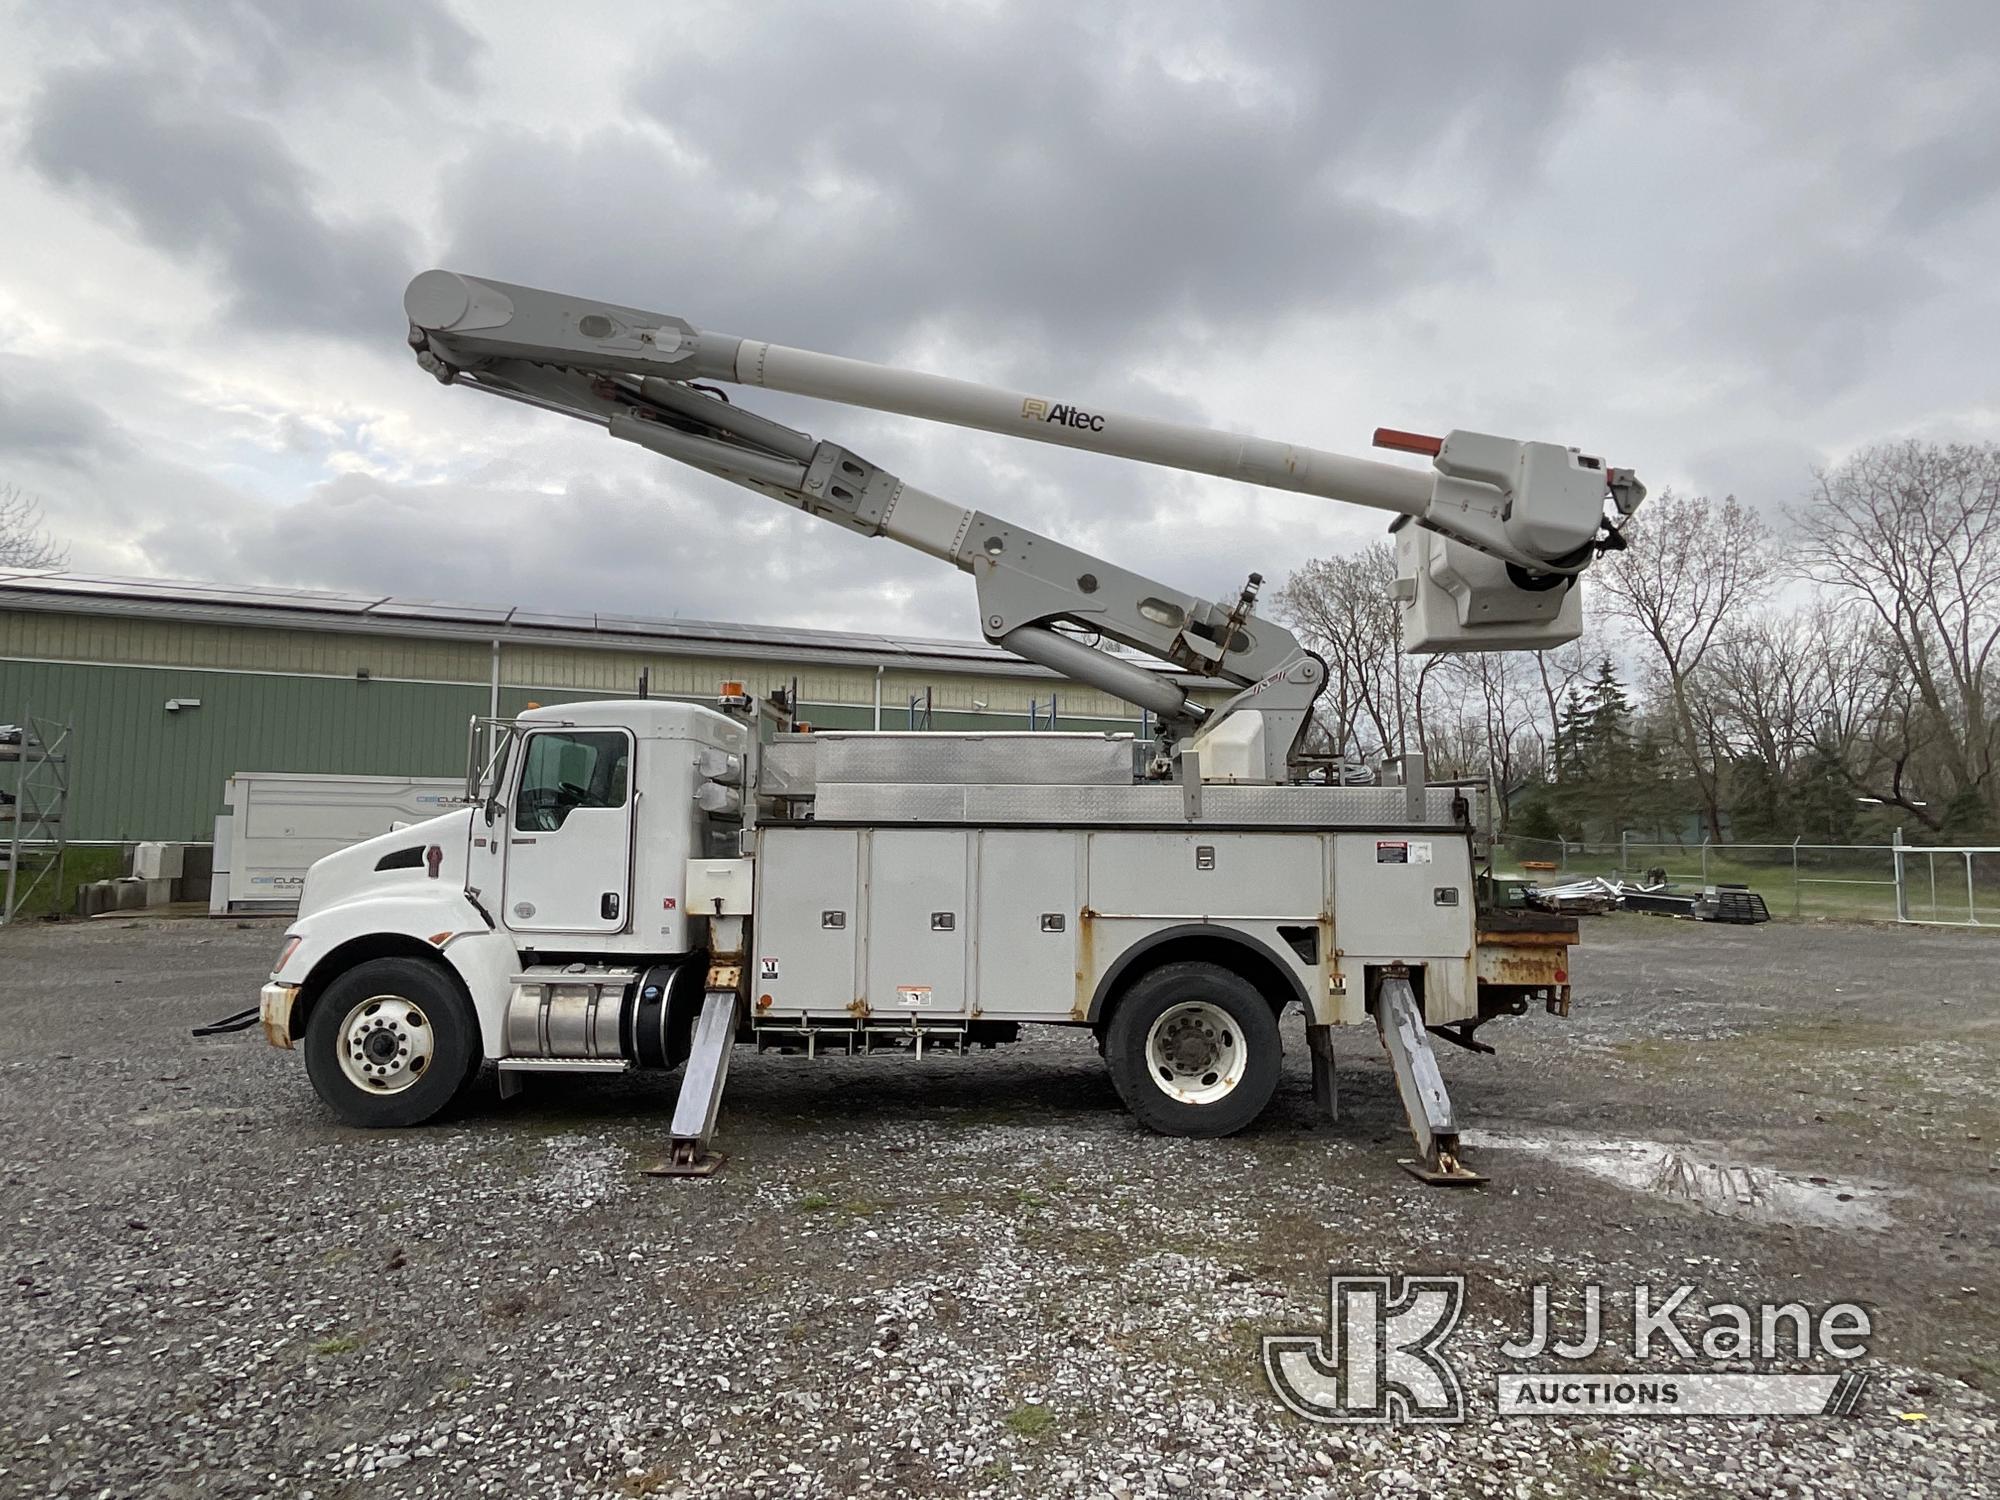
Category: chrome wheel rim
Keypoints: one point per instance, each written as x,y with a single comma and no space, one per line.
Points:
1195,1052
385,1044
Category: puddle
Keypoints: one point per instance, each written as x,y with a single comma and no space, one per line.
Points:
1734,1189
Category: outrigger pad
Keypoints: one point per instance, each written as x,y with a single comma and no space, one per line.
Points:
703,1165
1451,1174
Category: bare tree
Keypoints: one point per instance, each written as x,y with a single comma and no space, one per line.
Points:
1690,565
1501,697
1909,533
1557,672
1342,607
25,542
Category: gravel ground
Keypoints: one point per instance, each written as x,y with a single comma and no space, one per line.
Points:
976,1276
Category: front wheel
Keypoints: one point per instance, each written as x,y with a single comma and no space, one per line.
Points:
391,1042
1193,1050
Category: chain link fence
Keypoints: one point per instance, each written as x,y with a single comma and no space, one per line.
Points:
1879,882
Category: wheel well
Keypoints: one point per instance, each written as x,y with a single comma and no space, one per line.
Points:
1241,955
337,961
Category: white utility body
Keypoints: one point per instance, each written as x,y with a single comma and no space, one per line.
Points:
641,884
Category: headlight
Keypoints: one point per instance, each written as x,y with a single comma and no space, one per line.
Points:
285,957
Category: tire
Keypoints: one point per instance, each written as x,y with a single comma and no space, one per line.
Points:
1193,1050
392,1042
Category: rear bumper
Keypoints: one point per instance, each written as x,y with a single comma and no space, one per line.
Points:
1523,957
274,1009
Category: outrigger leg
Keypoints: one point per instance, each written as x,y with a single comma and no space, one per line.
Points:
1326,1086
1418,1080
707,1068
701,1090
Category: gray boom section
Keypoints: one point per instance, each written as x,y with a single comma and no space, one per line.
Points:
627,371
1531,505
482,318
1071,424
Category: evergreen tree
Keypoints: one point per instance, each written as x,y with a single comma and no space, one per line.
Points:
1823,800
1761,809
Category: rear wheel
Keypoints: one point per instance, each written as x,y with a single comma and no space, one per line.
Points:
1193,1050
391,1042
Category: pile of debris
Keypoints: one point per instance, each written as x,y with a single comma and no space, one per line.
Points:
1596,894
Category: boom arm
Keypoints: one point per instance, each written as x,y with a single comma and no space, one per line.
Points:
1529,513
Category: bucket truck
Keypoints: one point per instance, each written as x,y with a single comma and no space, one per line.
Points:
649,885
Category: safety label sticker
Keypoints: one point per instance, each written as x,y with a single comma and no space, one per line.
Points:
913,996
767,968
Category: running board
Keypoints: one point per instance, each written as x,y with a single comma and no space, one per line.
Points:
1418,1080
700,1097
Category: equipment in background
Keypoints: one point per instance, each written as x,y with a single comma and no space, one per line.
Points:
1594,895
34,809
275,824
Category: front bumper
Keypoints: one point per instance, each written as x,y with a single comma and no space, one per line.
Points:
274,1009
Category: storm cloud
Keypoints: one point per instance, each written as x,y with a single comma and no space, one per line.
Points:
1720,244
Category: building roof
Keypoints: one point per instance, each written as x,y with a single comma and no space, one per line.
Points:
281,608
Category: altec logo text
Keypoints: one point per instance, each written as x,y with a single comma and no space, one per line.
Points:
1037,410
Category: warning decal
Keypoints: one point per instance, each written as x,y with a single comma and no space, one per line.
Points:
1392,852
913,996
767,968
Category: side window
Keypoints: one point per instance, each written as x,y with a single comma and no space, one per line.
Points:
564,769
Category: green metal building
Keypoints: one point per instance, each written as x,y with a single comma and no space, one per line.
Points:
174,687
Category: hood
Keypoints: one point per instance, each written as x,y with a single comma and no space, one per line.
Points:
395,858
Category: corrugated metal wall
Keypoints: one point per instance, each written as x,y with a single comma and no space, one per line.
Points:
290,700
140,771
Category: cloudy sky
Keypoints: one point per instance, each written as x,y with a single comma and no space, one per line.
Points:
1718,243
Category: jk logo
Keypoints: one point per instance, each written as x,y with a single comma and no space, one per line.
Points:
1379,1359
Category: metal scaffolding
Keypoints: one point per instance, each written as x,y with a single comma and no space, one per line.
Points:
36,810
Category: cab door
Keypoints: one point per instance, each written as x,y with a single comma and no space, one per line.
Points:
569,832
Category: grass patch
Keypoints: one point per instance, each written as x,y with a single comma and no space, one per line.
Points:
1030,1421
81,866
336,1344
860,1207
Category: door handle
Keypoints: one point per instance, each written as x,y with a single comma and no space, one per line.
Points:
607,906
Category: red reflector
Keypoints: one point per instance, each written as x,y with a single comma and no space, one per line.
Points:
1408,442
1562,976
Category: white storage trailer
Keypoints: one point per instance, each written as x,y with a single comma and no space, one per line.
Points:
275,824
647,885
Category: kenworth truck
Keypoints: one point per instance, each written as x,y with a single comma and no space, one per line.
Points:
647,884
